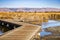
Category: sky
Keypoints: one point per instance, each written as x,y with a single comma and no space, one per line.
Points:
29,3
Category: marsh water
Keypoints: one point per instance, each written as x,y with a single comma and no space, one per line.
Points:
1,32
50,23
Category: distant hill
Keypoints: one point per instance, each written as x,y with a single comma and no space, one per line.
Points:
29,9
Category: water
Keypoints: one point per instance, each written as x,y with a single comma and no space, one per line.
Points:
1,32
43,33
50,23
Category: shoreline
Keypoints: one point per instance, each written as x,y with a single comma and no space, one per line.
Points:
55,33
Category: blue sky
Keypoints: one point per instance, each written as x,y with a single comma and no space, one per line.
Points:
30,3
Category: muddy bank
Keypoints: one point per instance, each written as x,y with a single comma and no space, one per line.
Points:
53,29
55,33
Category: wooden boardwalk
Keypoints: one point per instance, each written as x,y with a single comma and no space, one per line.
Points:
25,32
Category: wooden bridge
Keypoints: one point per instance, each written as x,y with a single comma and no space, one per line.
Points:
25,31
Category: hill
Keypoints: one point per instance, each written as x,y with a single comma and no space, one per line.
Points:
29,9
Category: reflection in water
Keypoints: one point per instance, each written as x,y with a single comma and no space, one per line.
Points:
7,26
43,33
50,23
